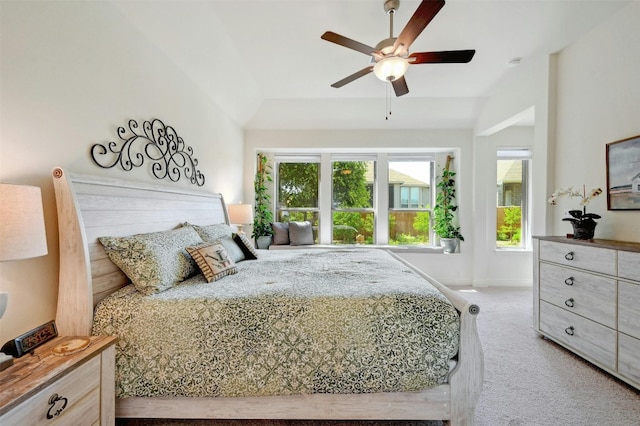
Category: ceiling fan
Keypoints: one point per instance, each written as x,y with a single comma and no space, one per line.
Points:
391,56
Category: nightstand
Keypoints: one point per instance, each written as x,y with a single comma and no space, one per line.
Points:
72,389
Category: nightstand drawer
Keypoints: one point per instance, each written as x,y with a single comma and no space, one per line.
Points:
578,256
72,400
589,295
588,337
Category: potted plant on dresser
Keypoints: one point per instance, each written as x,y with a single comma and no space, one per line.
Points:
263,217
444,217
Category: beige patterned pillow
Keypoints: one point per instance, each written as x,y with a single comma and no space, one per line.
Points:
211,233
156,261
213,260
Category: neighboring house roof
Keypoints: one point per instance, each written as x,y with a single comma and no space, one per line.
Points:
396,177
509,171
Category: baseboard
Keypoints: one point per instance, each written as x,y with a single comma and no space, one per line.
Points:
502,283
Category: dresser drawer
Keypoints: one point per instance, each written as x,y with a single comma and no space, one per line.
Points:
628,350
629,265
595,259
589,338
72,400
588,295
629,309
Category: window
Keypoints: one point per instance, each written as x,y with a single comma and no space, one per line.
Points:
409,201
352,202
512,198
297,190
363,199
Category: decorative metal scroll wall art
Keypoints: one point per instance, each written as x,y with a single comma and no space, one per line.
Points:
157,142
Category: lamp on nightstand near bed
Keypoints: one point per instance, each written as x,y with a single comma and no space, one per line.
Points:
22,232
240,215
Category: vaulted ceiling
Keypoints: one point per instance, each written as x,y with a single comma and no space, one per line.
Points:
264,63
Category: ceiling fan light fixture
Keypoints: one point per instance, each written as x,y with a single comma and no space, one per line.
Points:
390,68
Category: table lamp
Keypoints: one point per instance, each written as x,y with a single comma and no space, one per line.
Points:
240,215
22,232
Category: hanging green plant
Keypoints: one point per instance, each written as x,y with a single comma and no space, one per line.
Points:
263,217
444,218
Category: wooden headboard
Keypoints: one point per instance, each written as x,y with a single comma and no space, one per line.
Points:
90,207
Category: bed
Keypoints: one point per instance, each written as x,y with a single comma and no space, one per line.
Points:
91,207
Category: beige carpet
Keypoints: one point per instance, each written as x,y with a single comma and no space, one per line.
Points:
529,381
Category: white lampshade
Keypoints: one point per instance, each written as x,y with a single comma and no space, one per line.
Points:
390,68
240,214
22,232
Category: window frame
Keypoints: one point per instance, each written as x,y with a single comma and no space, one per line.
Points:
423,157
380,191
524,154
374,199
277,206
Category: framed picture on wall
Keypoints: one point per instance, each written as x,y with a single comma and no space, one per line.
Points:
623,174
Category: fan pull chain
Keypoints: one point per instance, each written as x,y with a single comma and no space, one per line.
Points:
387,106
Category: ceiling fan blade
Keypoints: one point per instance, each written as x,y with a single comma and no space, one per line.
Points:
443,57
353,76
400,86
420,19
347,42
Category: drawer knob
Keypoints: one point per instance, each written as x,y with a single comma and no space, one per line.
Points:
569,256
569,330
569,281
57,405
569,302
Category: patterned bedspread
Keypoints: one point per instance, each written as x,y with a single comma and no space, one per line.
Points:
291,322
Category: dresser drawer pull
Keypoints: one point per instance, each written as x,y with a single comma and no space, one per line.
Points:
569,330
569,256
570,302
569,281
58,404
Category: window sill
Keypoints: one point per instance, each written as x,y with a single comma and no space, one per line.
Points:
512,250
394,249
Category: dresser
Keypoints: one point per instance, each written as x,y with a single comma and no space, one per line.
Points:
74,388
586,297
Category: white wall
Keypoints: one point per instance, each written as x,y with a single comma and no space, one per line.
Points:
71,73
455,269
598,103
493,267
529,86
526,88
583,97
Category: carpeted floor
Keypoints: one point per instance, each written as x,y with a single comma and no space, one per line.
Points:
529,381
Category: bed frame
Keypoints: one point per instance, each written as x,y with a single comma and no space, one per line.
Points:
89,207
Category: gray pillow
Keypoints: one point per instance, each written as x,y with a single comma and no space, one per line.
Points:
233,249
280,233
245,245
300,233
